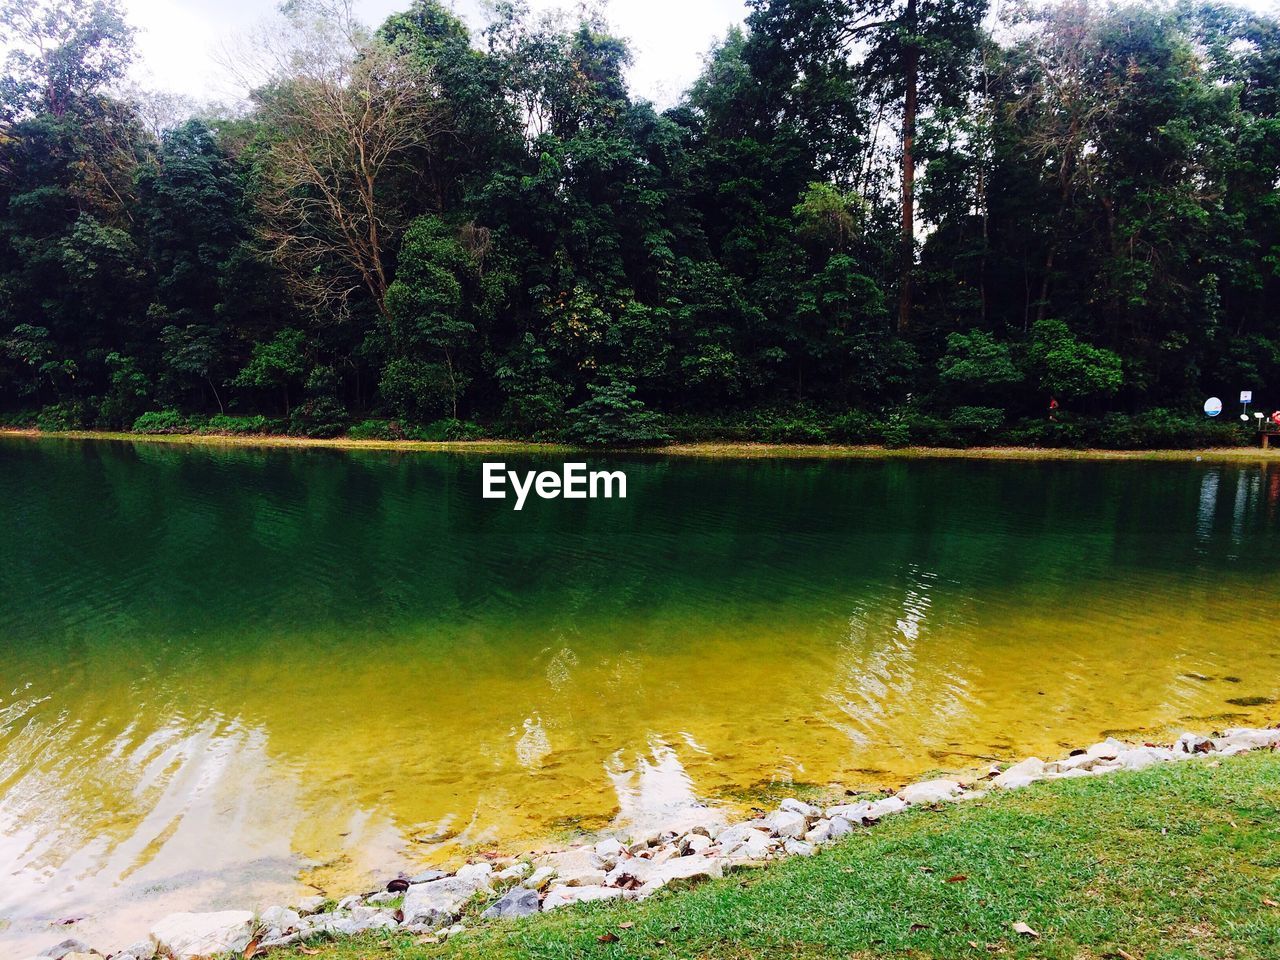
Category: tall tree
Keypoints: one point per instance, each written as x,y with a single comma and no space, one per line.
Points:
342,113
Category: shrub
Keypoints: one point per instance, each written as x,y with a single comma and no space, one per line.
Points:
236,426
377,430
447,431
19,419
1168,430
803,428
973,426
162,422
415,391
321,418
613,417
856,427
897,431
64,415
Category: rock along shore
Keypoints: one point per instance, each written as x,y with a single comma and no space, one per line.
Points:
701,846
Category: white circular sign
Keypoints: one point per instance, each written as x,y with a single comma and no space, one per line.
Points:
1213,406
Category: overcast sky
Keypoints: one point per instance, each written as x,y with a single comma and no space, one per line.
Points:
179,40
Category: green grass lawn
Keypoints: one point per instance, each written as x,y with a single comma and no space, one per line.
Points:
1178,861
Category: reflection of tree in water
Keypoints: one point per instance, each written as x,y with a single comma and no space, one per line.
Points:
902,675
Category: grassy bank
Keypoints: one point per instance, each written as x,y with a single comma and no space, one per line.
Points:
708,450
1178,861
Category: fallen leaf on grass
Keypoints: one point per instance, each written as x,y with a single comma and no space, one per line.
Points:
251,950
1026,931
1268,902
607,938
1123,954
626,926
958,878
308,952
917,927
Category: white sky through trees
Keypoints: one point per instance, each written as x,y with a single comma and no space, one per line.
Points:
180,41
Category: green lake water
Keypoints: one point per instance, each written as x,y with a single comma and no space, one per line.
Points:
231,675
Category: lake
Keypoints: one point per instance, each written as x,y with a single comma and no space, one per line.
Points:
231,675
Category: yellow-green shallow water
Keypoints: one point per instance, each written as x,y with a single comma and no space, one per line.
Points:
227,673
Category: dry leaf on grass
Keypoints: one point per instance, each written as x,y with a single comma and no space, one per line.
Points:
1024,930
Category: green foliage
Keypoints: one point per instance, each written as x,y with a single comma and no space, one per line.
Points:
856,427
1068,367
614,417
535,401
376,430
447,431
64,415
416,391
163,422
236,426
319,417
1096,189
976,361
127,394
275,364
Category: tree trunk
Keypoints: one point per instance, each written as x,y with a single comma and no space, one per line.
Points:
911,80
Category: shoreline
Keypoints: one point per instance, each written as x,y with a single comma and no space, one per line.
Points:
711,450
696,844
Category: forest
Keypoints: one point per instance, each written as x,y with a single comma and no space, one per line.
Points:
867,221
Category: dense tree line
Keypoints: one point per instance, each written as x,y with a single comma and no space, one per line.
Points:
866,220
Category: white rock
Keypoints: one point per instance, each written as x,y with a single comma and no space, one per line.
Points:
840,827
142,950
821,832
438,901
1108,749
739,832
277,921
476,874
1248,738
1139,758
539,878
309,904
798,848
565,896
1081,761
192,935
853,812
884,808
68,946
609,849
1021,774
694,843
929,792
577,868
653,877
1191,743
517,871
785,823
791,805
383,897
754,845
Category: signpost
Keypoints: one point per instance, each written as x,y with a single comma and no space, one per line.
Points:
1246,398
